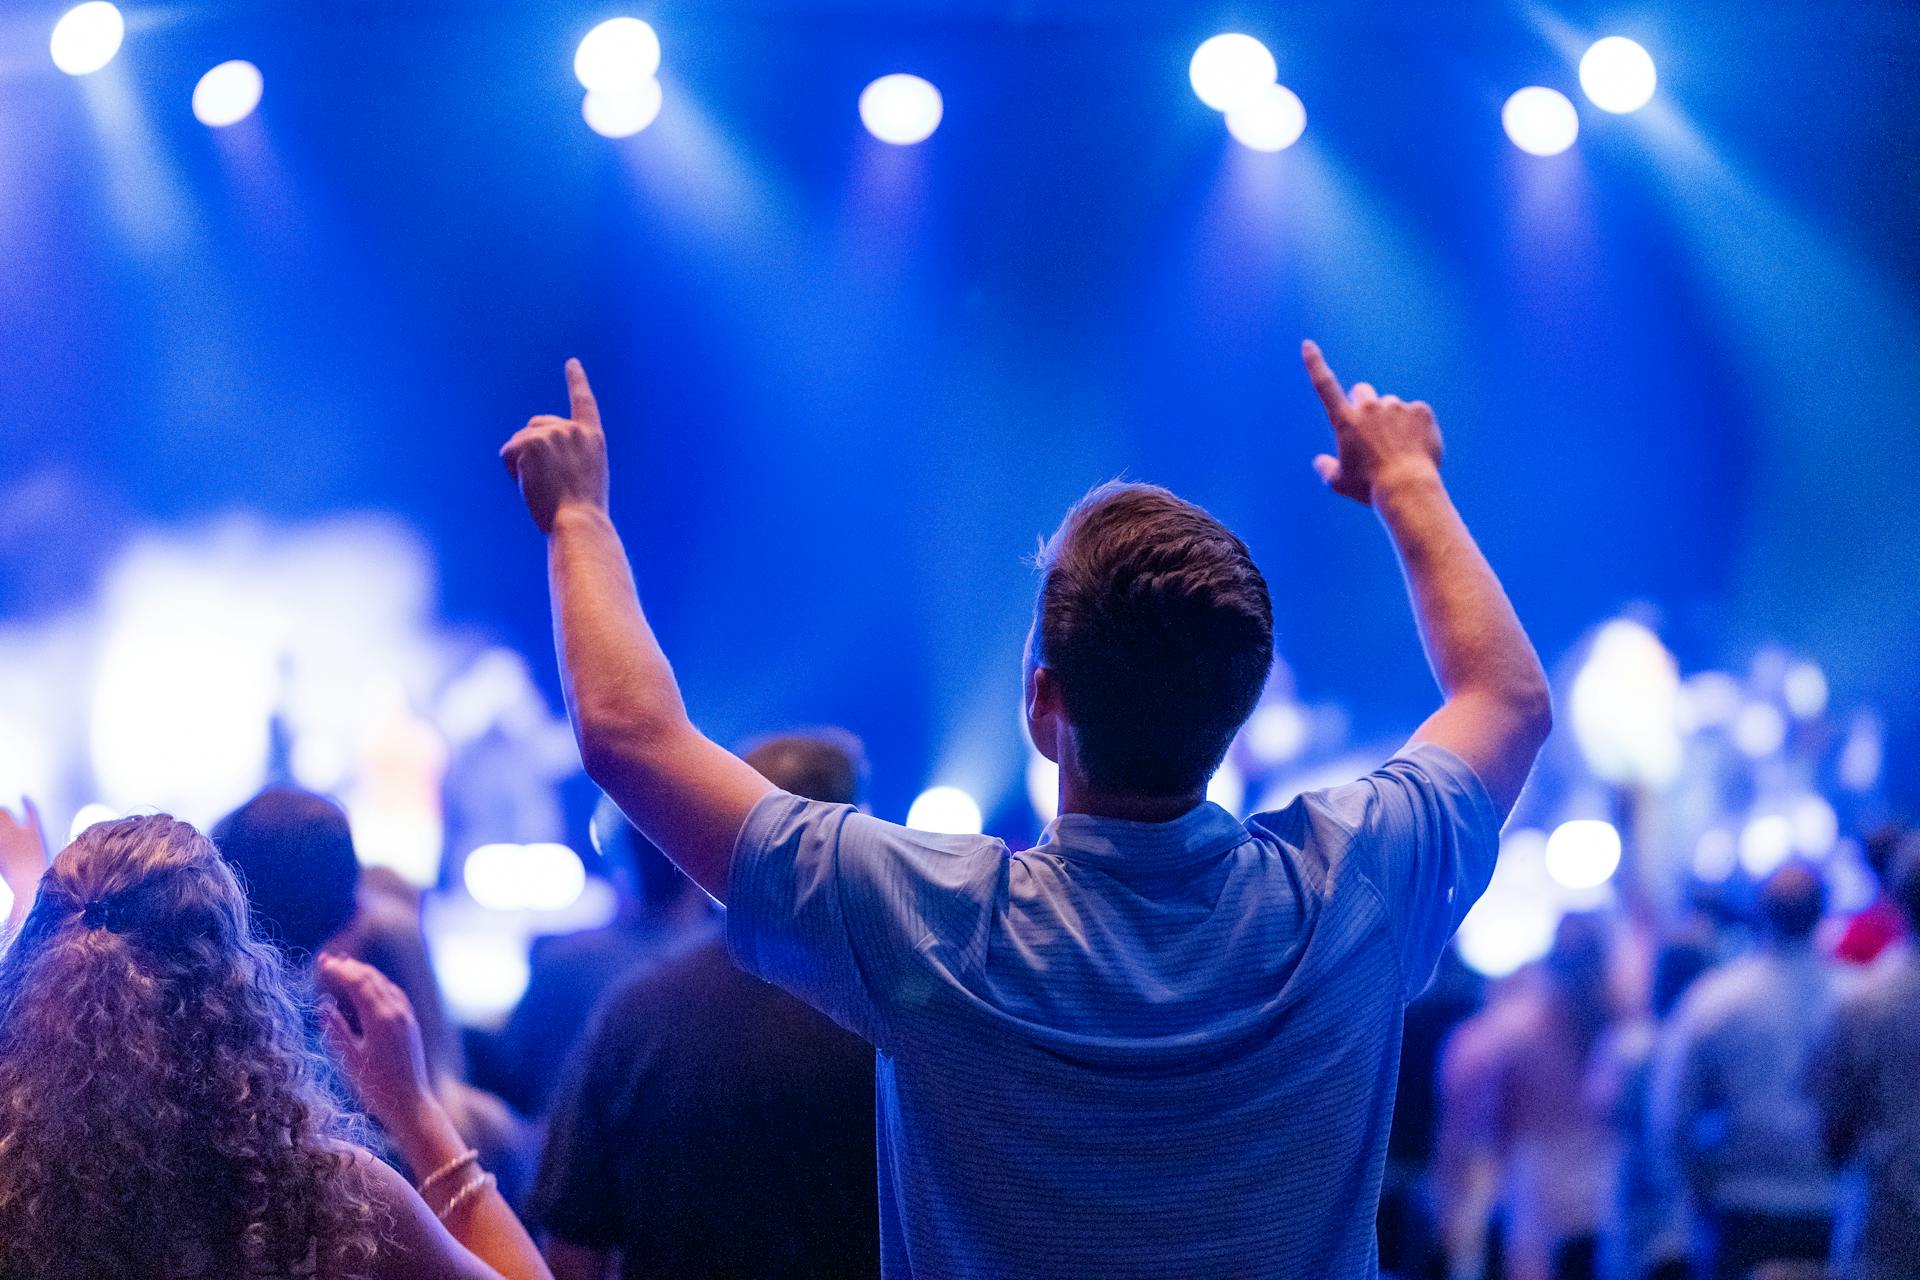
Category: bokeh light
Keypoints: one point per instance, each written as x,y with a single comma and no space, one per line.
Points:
1765,843
946,811
1540,121
1625,706
1759,730
524,877
616,55
1227,787
622,112
1617,75
227,94
1270,118
901,109
90,815
1583,853
1230,69
86,37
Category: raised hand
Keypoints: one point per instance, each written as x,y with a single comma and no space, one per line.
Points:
372,1031
1375,436
23,856
560,462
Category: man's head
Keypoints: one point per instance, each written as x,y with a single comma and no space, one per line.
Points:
1792,900
824,764
294,852
1152,638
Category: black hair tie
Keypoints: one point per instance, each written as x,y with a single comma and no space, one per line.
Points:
101,913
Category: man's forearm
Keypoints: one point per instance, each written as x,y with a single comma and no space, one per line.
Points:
1472,636
618,682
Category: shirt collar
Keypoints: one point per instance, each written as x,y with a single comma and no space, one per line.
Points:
1199,835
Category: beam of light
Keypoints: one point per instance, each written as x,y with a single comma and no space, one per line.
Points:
945,810
616,55
1230,69
87,37
624,111
1271,118
228,93
1540,121
1617,75
901,109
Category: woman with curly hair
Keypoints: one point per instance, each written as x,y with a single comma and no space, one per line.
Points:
161,1117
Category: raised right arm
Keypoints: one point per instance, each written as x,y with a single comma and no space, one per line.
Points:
1497,710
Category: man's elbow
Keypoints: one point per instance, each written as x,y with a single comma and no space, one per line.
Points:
1532,711
616,742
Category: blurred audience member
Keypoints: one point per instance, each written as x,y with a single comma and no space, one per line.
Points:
163,1114
713,1126
660,913
294,853
1729,1097
1647,1234
23,859
1881,922
386,934
1867,1079
1518,1139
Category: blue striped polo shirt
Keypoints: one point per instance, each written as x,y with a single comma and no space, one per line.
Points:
1137,1049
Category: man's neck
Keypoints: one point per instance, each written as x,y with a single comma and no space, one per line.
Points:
1120,804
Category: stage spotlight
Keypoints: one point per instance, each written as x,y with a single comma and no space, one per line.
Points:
1228,70
227,94
1617,75
1540,121
1765,843
524,877
1271,119
622,112
945,811
616,55
901,109
1583,853
86,37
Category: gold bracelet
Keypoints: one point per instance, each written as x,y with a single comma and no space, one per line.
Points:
473,1188
459,1162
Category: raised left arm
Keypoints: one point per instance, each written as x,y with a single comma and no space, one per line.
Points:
684,792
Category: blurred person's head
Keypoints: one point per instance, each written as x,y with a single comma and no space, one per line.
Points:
648,884
1152,639
1675,966
1880,847
1903,882
1792,901
294,853
1577,970
161,1111
821,764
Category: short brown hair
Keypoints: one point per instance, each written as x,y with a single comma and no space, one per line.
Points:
1159,627
821,764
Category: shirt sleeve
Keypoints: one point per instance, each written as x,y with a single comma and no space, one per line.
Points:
860,918
1424,831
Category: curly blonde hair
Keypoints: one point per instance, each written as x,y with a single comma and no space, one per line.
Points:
161,1113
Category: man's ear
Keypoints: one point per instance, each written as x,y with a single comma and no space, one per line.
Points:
1046,715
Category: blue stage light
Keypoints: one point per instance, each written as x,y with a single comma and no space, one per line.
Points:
227,94
617,55
1540,121
1228,70
901,109
86,37
1271,119
622,112
1617,75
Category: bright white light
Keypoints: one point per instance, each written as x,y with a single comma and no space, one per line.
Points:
1765,844
1816,828
1513,923
90,815
1715,856
1624,706
1583,853
1759,730
483,974
617,54
1617,75
1227,788
1708,699
622,112
1227,70
1540,121
1805,690
946,811
524,877
227,94
1276,732
901,109
86,37
1863,756
1271,118
1043,786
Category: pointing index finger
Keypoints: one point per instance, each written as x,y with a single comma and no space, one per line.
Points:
584,408
1331,395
